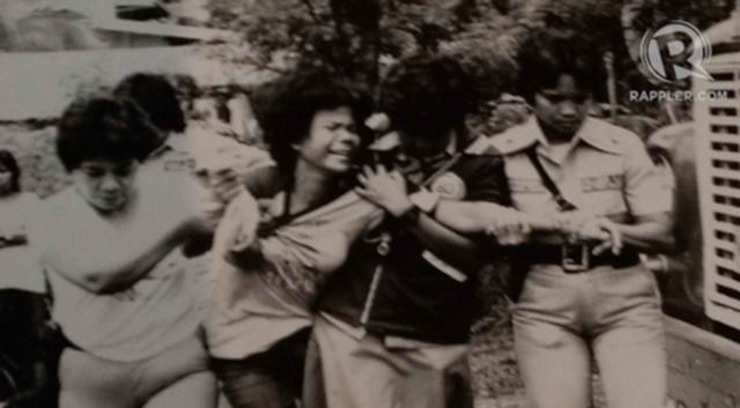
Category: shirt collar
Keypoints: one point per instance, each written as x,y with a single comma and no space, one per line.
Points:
592,132
174,142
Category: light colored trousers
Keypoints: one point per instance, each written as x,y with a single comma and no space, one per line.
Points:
564,322
345,372
177,377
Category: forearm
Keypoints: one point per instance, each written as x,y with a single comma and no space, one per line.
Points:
468,217
114,261
131,267
648,237
645,233
448,245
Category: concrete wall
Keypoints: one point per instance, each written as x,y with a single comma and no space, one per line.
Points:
40,85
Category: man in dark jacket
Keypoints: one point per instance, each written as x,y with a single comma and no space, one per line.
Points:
393,324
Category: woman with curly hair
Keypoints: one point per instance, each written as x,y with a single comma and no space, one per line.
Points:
268,273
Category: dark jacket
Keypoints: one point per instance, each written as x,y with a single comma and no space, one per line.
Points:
401,293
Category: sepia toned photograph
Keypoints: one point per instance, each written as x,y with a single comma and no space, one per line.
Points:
369,204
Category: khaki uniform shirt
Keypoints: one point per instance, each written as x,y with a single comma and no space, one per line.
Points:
605,171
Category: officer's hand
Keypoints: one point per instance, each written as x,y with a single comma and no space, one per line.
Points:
225,184
384,189
575,228
579,227
613,242
204,211
510,227
203,223
239,227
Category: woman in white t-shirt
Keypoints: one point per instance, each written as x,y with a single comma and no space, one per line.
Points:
123,296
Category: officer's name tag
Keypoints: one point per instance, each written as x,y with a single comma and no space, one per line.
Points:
179,165
444,267
602,183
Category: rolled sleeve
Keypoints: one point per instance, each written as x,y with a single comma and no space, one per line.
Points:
489,182
647,191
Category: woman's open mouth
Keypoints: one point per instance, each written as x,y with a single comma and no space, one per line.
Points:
343,153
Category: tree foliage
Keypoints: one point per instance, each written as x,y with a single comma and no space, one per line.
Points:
358,38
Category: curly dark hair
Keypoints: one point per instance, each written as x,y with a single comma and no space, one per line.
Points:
293,103
8,162
103,127
426,94
545,57
157,97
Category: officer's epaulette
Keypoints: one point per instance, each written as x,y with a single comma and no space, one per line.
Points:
514,139
608,137
482,146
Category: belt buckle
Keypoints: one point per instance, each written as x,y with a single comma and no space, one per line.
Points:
575,258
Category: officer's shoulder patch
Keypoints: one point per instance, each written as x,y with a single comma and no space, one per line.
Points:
450,186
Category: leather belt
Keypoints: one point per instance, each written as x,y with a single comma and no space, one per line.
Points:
575,258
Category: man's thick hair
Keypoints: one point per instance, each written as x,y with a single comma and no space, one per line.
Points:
287,118
157,97
545,57
8,162
106,128
426,94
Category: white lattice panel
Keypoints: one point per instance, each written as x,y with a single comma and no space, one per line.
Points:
718,163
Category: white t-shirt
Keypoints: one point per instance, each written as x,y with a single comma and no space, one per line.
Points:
158,311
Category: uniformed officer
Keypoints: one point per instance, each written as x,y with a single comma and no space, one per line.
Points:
588,200
221,163
190,166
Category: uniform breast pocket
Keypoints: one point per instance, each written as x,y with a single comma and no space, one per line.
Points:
604,194
529,194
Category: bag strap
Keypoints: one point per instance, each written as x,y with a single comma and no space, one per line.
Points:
550,185
449,163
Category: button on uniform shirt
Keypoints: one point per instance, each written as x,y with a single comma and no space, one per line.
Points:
605,170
